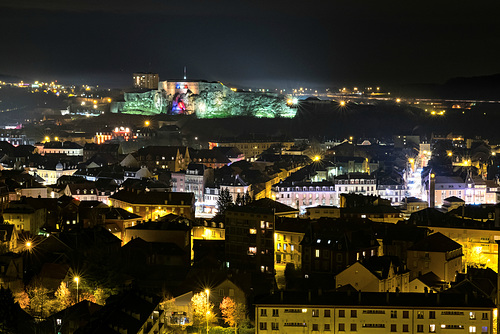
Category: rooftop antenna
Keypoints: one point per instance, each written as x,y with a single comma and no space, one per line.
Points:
185,73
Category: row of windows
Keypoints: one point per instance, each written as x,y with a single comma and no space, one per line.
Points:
354,327
286,247
354,313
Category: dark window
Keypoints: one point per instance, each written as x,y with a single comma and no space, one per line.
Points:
406,314
354,313
263,326
341,327
420,328
405,328
394,314
315,313
341,313
432,314
315,327
327,327
327,314
353,328
393,327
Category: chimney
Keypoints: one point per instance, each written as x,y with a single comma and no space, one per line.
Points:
359,297
387,297
438,299
309,296
281,296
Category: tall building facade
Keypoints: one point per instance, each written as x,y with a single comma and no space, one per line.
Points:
146,80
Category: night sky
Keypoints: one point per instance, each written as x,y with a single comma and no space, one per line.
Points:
250,43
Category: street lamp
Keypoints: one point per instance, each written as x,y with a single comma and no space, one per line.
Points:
208,303
77,280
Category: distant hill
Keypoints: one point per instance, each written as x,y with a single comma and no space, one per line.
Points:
9,78
478,88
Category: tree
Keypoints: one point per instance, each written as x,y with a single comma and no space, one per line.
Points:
247,199
100,296
63,298
21,297
224,201
203,310
233,313
239,200
40,303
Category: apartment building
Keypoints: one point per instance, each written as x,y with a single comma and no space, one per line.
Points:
373,312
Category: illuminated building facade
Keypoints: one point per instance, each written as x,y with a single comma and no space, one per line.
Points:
305,194
236,186
478,244
472,190
288,235
153,205
51,176
373,312
252,149
173,158
56,147
146,80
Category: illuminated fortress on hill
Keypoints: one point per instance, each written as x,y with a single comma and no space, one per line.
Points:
206,100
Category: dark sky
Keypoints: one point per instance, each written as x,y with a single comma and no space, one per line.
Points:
268,43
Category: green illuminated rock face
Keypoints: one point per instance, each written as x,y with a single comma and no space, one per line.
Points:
145,103
214,101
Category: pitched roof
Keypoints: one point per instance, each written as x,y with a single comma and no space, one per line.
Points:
168,222
454,199
436,242
366,299
381,265
277,206
154,198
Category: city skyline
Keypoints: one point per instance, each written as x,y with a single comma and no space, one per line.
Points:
282,44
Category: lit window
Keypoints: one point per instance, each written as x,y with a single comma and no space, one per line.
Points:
253,231
317,252
472,329
432,328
